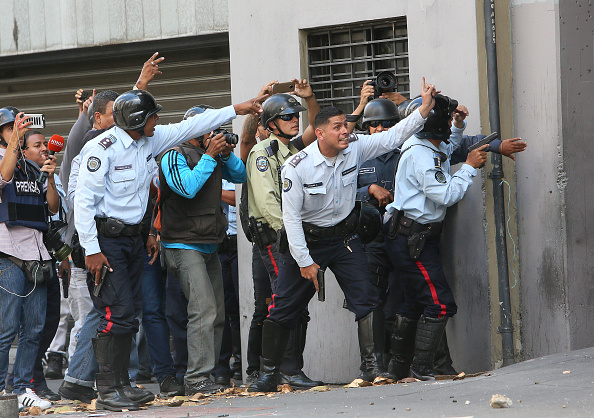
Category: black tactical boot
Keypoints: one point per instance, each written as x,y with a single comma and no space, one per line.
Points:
371,345
76,392
429,334
135,394
111,394
235,361
296,378
402,347
443,362
274,342
54,366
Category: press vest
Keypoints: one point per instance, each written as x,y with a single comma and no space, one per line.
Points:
23,200
197,220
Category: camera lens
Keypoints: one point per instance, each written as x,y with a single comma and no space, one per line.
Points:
232,139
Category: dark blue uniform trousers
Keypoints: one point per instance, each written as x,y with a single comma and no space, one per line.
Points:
120,301
350,267
426,290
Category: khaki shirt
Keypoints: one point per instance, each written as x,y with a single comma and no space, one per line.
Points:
264,198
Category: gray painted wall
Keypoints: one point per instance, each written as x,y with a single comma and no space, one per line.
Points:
271,50
552,91
46,25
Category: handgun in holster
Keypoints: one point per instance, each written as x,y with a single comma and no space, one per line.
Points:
416,243
262,234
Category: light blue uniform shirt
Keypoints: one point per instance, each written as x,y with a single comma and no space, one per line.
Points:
424,187
114,174
187,183
230,211
323,194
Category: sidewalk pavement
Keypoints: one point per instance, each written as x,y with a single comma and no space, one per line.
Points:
559,385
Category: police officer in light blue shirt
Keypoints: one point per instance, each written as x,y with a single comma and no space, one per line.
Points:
110,200
319,188
424,190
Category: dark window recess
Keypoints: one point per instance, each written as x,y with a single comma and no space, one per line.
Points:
341,58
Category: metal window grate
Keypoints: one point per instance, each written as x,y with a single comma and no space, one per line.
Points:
341,58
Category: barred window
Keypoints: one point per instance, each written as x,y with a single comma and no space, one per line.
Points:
341,58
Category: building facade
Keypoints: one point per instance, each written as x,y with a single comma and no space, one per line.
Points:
218,52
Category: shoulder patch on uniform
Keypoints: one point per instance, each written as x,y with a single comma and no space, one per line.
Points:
93,164
108,141
287,184
440,177
353,138
262,164
297,158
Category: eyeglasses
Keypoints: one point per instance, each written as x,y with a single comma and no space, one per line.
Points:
288,117
385,123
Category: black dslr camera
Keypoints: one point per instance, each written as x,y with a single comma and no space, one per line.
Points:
53,241
231,138
385,82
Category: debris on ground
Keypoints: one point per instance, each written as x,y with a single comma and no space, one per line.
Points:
322,388
500,401
359,383
380,380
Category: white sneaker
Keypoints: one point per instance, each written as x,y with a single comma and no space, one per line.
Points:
30,398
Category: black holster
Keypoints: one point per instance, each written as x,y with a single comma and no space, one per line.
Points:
282,242
262,233
416,233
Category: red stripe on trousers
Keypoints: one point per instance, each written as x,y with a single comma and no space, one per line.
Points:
108,319
271,305
272,260
432,288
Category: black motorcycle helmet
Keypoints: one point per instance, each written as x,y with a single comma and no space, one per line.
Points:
132,109
437,125
380,109
7,115
276,105
196,110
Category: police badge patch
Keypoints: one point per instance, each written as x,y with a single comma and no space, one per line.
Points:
440,177
262,164
287,185
93,164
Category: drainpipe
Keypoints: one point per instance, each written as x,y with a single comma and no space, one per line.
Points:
506,329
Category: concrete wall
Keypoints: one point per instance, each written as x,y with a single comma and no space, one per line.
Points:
577,87
265,45
46,25
541,177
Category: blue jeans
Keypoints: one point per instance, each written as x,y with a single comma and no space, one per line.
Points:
154,322
83,366
23,315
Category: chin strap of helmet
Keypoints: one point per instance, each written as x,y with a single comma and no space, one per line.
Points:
280,132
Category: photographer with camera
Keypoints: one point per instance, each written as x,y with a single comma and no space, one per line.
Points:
192,226
25,263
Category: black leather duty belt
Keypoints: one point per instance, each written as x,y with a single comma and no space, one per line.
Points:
113,228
